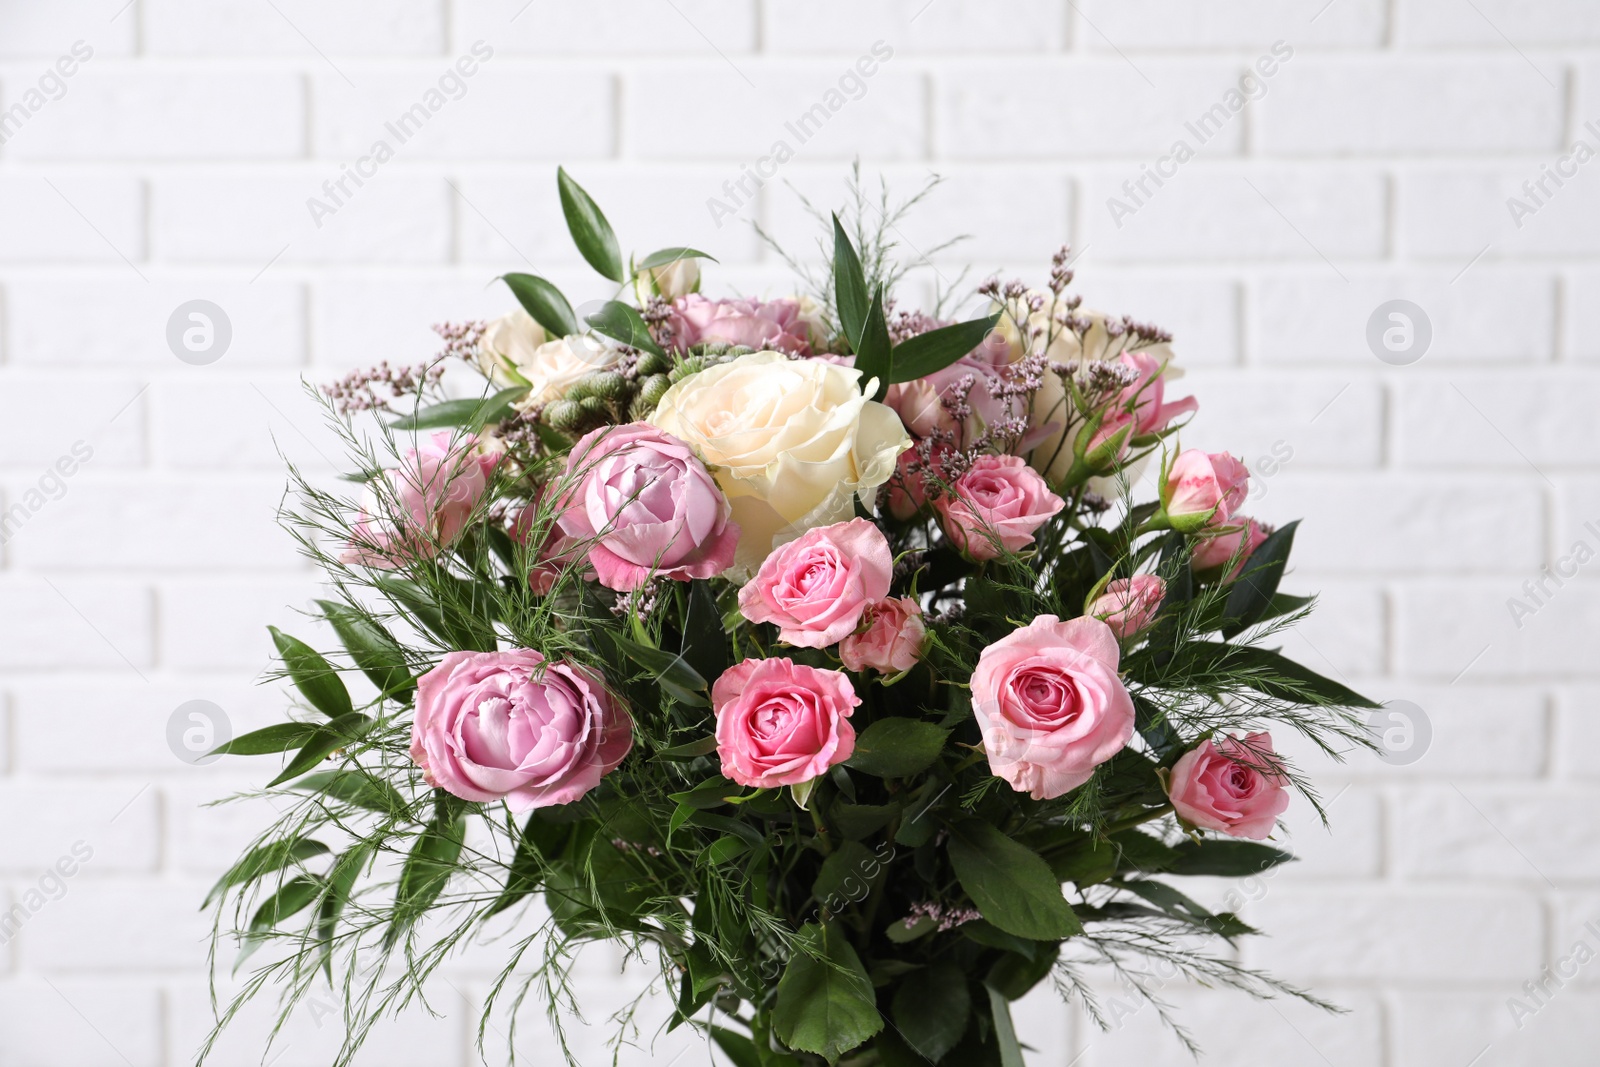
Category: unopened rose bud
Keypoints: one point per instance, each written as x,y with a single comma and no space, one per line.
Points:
668,281
1202,489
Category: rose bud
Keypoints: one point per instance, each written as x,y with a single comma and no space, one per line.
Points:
424,505
669,281
1234,787
892,639
1213,549
1129,605
1202,489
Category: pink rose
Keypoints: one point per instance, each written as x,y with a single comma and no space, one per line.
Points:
1203,489
780,723
1235,787
996,505
421,508
972,383
644,505
1050,704
509,724
892,640
816,587
554,554
775,324
1147,395
1213,550
1129,605
908,489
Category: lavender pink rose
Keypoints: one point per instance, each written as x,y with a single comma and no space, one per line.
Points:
1051,705
774,324
1203,489
423,506
816,587
782,723
1236,787
511,725
1212,551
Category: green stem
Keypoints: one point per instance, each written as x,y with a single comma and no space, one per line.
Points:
1138,820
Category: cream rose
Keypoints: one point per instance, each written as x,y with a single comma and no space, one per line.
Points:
789,441
507,343
555,366
1053,455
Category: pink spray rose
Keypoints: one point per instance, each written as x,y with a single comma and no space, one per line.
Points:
776,324
1230,786
892,639
1141,407
554,554
422,506
971,385
1212,551
997,504
1129,605
780,723
1051,705
645,505
1203,489
816,587
509,724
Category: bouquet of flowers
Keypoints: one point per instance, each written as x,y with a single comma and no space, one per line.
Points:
813,648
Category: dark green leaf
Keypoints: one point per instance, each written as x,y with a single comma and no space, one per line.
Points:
1010,884
470,413
544,302
538,848
279,738
897,748
875,352
427,869
738,1048
850,296
825,1001
264,860
930,1009
373,648
705,645
311,674
340,881
623,323
342,731
919,356
691,750
663,256
1251,593
845,876
1005,1034
1276,675
357,787
457,628
590,230
1013,975
1181,907
663,666
1227,859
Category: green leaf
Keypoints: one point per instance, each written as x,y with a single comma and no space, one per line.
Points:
470,413
455,627
875,352
373,648
825,1003
342,731
919,356
346,869
931,1008
544,302
665,667
590,230
623,323
663,256
1227,859
428,867
1010,884
897,748
1276,675
1250,595
357,787
1013,975
270,857
311,674
538,848
705,644
844,876
279,738
1005,1034
738,1048
850,296
690,750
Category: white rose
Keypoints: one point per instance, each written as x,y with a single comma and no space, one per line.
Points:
790,442
509,342
668,281
555,366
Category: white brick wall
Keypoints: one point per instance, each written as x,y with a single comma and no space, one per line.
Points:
1376,165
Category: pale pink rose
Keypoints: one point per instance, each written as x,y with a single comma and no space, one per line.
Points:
892,639
420,508
556,551
908,489
1213,550
1129,605
1051,705
1235,787
776,324
1203,489
996,505
815,587
1151,413
645,506
780,723
492,725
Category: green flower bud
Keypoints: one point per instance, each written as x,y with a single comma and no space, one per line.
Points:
563,415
